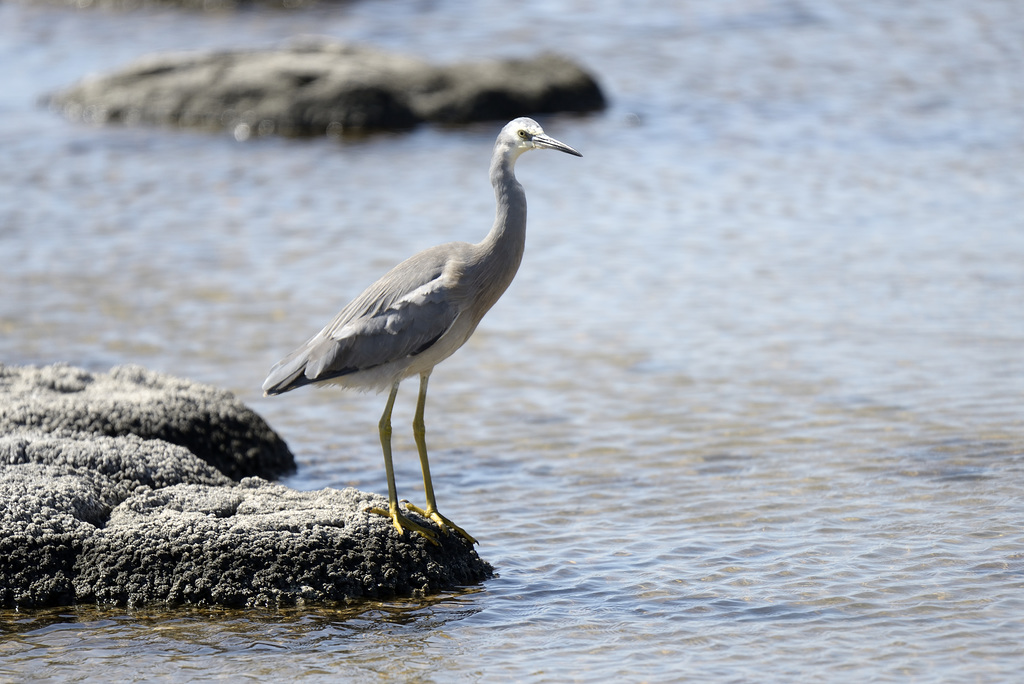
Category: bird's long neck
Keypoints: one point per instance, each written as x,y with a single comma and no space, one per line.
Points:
502,250
508,234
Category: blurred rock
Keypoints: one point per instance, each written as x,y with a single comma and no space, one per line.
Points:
200,5
96,505
313,87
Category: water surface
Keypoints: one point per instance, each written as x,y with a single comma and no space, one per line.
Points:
751,411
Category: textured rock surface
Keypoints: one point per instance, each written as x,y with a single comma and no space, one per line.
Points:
130,400
316,88
58,490
46,513
262,544
129,519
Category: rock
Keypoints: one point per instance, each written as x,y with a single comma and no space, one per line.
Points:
262,544
131,400
97,506
57,491
46,514
313,87
117,465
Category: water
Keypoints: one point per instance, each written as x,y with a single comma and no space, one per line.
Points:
752,410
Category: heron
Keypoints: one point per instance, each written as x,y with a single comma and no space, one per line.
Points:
418,314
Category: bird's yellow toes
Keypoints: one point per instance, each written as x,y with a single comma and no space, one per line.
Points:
401,523
445,523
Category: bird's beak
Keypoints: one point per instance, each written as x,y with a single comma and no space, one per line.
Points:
547,142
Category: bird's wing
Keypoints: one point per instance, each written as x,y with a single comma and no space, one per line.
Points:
405,326
401,315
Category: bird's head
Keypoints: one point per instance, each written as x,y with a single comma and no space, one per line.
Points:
524,134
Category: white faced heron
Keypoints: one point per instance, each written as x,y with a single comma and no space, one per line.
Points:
419,313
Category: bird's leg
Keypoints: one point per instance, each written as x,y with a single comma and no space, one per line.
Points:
419,432
400,521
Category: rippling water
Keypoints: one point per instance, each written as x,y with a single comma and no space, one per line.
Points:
752,410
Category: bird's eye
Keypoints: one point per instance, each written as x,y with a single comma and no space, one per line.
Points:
523,134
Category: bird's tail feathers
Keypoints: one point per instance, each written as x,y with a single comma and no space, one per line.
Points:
287,374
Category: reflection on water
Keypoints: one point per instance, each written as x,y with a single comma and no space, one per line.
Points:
750,411
247,625
106,637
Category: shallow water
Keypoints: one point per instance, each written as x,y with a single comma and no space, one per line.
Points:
752,410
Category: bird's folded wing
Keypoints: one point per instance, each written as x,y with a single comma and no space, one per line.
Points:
409,326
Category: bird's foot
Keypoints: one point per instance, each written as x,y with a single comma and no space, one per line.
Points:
401,523
431,514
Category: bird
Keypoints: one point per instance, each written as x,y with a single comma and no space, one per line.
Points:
417,315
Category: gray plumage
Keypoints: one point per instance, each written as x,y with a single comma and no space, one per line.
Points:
421,311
